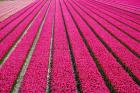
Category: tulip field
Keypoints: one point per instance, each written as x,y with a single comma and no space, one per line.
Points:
71,46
